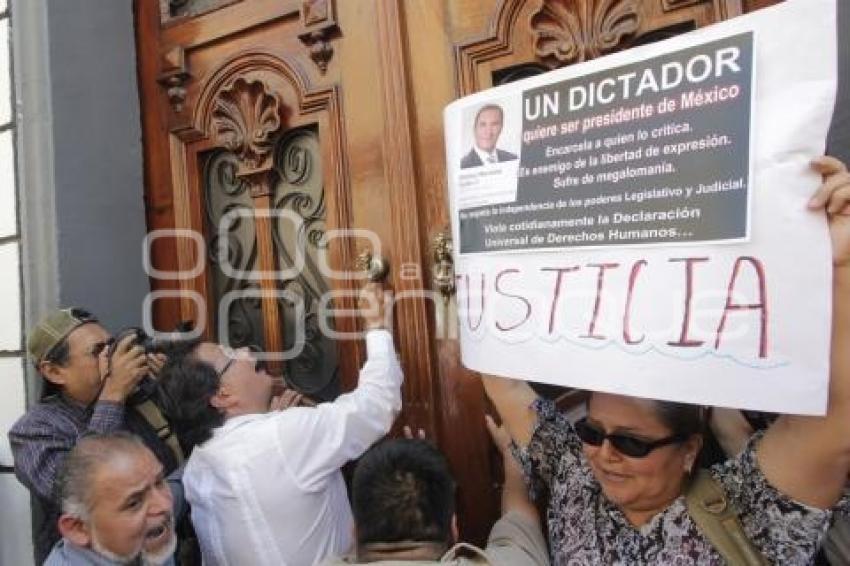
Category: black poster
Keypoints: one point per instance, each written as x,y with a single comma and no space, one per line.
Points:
653,152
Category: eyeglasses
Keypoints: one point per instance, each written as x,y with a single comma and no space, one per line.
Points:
226,367
233,355
625,444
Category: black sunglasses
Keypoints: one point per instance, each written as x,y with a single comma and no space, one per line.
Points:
625,444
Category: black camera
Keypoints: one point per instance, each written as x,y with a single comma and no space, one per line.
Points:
140,338
147,386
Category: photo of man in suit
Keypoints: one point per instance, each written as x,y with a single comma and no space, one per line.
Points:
487,128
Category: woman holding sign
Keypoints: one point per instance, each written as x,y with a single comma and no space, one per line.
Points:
623,483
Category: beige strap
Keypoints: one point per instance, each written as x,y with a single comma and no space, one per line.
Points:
153,415
475,554
719,523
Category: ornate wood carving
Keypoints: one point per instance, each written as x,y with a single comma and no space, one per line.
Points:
494,44
246,120
319,20
321,50
173,77
173,9
316,11
560,32
675,4
567,32
299,104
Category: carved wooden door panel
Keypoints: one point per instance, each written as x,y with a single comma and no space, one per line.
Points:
272,125
248,167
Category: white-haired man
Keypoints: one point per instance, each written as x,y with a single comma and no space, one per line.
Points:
116,505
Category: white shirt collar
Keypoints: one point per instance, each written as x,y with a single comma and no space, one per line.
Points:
234,422
485,156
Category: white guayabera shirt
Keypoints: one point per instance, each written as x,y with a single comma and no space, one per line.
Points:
267,488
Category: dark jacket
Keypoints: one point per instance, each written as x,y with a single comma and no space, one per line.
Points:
471,159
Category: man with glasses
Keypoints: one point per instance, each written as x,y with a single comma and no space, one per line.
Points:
84,391
264,484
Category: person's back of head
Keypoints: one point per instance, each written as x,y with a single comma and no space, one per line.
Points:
403,491
186,386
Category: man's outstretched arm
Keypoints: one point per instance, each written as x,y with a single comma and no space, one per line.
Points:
331,434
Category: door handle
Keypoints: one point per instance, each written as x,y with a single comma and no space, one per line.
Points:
443,281
443,268
376,267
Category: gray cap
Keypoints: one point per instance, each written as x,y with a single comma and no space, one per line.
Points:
54,328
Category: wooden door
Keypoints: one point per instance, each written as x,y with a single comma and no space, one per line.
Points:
331,111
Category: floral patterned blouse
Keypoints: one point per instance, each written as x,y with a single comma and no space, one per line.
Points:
585,528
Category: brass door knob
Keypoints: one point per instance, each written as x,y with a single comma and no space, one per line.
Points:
376,267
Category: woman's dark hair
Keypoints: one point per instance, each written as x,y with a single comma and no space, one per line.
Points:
681,418
186,386
686,420
403,491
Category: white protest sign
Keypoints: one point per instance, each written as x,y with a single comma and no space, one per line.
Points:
637,224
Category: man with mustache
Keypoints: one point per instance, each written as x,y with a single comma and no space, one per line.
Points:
116,505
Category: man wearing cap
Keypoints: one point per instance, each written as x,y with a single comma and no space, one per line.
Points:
84,391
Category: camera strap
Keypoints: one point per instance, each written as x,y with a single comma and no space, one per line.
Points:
153,416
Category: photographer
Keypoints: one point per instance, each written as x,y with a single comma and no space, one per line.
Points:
87,384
